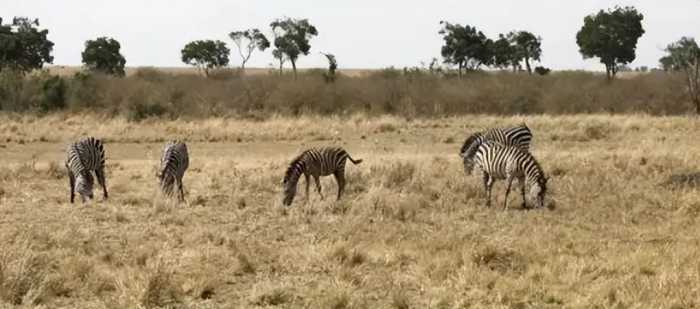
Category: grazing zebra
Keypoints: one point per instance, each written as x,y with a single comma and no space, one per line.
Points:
173,165
519,136
85,156
497,161
316,162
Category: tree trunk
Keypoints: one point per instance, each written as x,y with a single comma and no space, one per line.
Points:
696,101
459,69
608,72
527,64
281,63
294,68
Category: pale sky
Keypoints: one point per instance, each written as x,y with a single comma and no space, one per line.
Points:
361,33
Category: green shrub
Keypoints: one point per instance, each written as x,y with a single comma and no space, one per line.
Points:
53,94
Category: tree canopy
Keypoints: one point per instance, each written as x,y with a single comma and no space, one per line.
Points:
206,55
292,39
611,36
684,56
504,53
465,47
103,55
247,41
332,66
526,47
23,47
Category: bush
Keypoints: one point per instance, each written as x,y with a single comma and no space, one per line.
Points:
12,96
139,111
53,94
83,90
542,70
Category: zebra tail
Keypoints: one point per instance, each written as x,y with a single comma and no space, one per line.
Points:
358,161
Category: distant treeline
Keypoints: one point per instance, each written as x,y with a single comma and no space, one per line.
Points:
454,84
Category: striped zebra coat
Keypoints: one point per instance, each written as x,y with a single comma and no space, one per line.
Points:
518,136
173,164
316,162
497,161
84,157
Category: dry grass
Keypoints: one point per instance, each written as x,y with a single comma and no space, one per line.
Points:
167,94
64,70
411,231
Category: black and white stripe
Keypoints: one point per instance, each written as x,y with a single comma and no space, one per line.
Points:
316,162
497,161
518,136
173,165
85,156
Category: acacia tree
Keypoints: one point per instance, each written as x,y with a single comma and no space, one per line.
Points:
684,56
611,36
292,39
247,41
206,55
504,54
103,55
23,47
526,47
465,47
332,66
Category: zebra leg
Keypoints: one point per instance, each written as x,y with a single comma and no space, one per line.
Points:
488,184
100,173
71,181
522,191
182,191
318,186
340,179
510,183
308,182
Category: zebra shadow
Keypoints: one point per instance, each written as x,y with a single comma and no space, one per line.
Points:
683,180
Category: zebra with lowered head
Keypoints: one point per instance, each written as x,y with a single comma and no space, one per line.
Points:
173,165
497,161
316,162
518,136
84,157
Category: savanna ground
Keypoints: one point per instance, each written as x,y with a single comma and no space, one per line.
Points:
411,232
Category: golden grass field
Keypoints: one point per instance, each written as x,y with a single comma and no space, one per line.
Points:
411,232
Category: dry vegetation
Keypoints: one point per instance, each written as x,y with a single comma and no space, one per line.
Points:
411,231
411,93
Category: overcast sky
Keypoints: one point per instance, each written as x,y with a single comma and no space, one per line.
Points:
361,33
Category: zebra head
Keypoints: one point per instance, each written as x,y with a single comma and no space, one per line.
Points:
83,185
291,177
470,145
468,165
290,190
539,190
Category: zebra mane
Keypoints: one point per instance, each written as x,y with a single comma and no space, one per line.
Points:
290,173
469,144
543,179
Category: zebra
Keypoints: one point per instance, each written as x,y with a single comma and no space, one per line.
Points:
519,136
316,162
173,165
85,156
497,161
